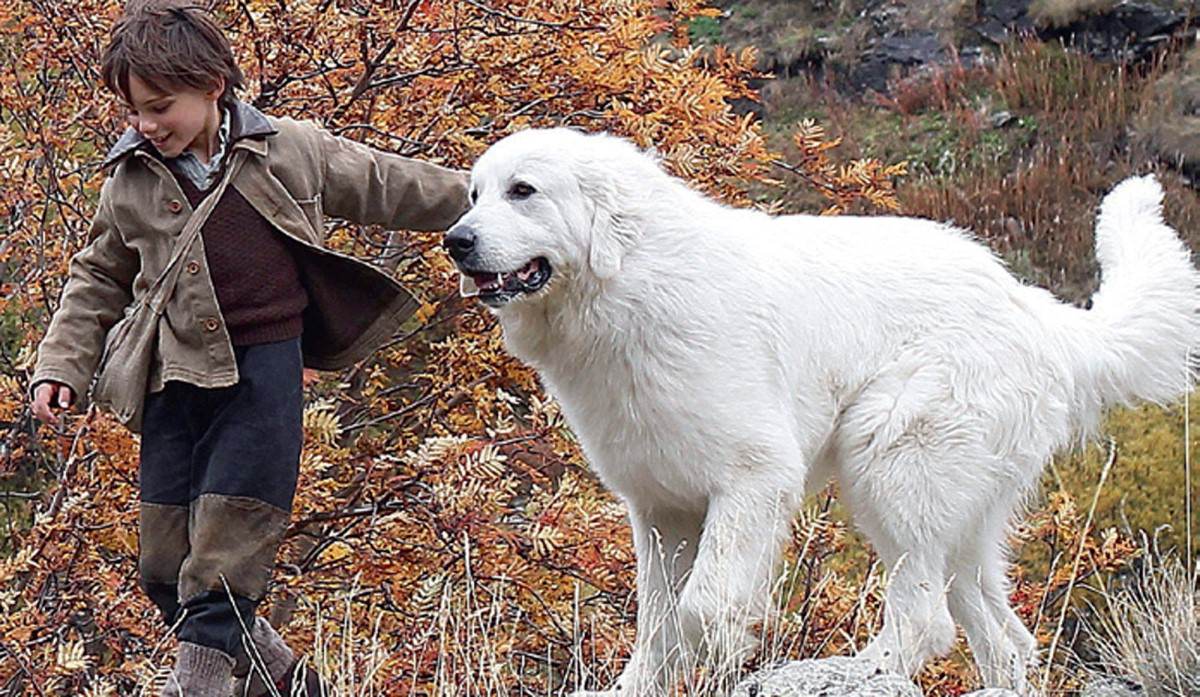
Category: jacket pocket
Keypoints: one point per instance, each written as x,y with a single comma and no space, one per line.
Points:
314,215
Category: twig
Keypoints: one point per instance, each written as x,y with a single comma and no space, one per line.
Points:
527,20
1087,526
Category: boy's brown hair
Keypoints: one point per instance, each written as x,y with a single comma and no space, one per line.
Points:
169,45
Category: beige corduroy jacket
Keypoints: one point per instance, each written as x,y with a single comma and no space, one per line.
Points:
294,173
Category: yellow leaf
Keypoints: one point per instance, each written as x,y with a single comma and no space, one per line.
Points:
321,422
425,312
71,657
336,552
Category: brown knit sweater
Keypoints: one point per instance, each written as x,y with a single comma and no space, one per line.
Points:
255,277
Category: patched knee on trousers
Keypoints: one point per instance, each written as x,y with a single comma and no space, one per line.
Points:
234,538
162,542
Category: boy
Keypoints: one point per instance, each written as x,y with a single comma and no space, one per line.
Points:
255,297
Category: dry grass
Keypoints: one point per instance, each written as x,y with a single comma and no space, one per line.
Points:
1149,632
944,88
1028,185
1033,201
464,626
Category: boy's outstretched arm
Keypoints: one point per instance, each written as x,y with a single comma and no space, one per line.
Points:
372,187
98,288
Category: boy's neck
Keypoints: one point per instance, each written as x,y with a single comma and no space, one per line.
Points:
212,133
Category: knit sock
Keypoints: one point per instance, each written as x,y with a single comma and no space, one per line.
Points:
200,671
273,650
269,651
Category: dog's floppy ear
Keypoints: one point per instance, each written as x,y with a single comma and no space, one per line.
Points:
612,233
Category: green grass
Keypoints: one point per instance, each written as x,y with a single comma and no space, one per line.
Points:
704,30
1147,487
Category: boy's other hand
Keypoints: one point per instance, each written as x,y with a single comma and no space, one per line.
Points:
49,396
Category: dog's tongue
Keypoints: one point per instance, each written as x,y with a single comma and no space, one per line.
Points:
471,285
526,272
490,282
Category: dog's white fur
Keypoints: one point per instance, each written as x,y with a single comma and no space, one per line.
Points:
715,361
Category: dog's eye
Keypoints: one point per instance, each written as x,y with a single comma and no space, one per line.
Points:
474,196
521,190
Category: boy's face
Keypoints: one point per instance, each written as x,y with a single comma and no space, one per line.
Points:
175,121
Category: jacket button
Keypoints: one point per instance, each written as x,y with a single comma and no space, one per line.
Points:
211,324
193,267
174,205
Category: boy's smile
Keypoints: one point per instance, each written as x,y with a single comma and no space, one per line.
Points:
176,121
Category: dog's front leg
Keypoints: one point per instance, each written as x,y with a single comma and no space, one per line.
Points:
665,542
730,585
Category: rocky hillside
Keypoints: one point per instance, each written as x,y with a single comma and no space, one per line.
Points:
983,100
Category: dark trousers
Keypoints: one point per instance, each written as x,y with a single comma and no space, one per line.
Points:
218,473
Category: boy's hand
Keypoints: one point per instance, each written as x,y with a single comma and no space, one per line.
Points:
50,395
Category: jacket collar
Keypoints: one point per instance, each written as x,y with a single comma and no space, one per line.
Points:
246,122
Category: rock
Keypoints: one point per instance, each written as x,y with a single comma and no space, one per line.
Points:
1007,12
1129,32
842,676
1000,21
830,677
897,41
1000,119
891,55
1110,687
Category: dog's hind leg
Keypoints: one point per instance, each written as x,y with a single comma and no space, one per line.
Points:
990,628
995,591
917,623
913,469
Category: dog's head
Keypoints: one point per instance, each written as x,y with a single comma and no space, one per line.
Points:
548,207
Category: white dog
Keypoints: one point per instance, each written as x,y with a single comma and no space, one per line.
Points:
714,362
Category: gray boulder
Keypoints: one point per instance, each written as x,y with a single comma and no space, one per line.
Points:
829,677
839,676
1110,687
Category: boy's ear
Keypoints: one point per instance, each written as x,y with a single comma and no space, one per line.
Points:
217,89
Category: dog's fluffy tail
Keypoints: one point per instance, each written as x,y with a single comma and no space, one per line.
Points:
1144,326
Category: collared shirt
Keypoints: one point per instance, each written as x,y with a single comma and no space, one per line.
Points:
197,172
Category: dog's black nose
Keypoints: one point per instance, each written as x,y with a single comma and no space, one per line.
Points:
460,242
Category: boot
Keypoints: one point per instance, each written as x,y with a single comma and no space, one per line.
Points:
199,671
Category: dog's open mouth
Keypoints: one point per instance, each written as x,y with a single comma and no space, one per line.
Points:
497,288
